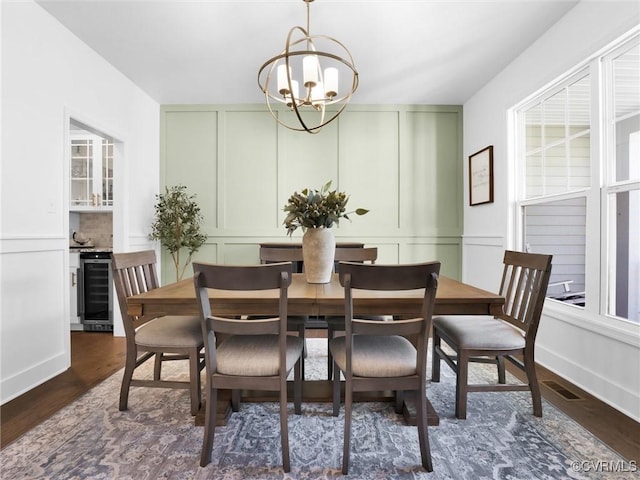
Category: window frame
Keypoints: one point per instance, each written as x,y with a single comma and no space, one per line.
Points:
602,145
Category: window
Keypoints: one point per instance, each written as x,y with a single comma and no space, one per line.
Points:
622,181
578,195
557,177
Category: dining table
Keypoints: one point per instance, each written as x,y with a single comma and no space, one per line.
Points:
325,299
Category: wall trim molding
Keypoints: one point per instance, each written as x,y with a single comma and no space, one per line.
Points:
618,330
483,240
33,243
587,380
25,380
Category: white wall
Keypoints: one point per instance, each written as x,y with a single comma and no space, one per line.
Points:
579,349
47,75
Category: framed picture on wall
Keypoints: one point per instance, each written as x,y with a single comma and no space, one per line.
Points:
481,176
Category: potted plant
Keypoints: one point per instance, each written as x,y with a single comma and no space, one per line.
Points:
177,225
315,212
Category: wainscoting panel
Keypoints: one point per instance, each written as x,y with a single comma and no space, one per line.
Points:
485,253
189,140
248,172
35,344
431,173
306,161
403,163
447,251
369,168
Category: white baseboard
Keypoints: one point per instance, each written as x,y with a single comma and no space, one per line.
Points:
33,376
596,356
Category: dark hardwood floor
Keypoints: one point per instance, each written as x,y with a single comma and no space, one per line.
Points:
95,356
618,431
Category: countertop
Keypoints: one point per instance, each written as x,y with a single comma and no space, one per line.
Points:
88,248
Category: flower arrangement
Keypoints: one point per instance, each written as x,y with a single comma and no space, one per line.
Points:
317,208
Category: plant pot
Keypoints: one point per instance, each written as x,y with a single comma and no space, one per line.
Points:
318,253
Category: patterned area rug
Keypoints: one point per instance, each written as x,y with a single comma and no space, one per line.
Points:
156,438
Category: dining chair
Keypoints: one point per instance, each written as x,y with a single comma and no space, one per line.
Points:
281,254
336,323
295,323
524,284
247,354
165,338
375,355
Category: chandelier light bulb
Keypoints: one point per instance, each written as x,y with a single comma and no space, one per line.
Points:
331,82
283,83
310,70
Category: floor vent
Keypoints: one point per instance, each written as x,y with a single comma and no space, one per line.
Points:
562,391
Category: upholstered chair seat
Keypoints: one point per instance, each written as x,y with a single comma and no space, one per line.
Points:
256,355
480,332
376,356
171,331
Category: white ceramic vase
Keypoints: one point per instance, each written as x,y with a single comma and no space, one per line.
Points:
318,253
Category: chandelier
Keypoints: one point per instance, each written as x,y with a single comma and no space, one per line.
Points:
305,77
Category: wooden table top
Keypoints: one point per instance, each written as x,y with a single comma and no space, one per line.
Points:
179,298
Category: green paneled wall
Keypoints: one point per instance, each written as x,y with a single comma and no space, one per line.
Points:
404,163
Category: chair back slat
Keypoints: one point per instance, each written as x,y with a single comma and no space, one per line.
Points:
242,277
386,277
405,327
232,326
365,254
524,284
133,273
280,254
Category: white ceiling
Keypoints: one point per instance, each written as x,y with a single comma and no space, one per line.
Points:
406,51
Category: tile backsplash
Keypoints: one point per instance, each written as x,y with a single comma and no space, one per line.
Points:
96,226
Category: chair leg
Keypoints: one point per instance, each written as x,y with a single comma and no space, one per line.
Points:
235,400
530,368
399,401
423,433
157,366
329,356
297,387
461,384
284,429
130,366
336,390
501,371
302,335
211,401
347,426
194,380
435,358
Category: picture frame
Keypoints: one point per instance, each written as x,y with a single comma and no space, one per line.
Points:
481,177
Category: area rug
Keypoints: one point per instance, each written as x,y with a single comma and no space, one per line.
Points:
156,438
